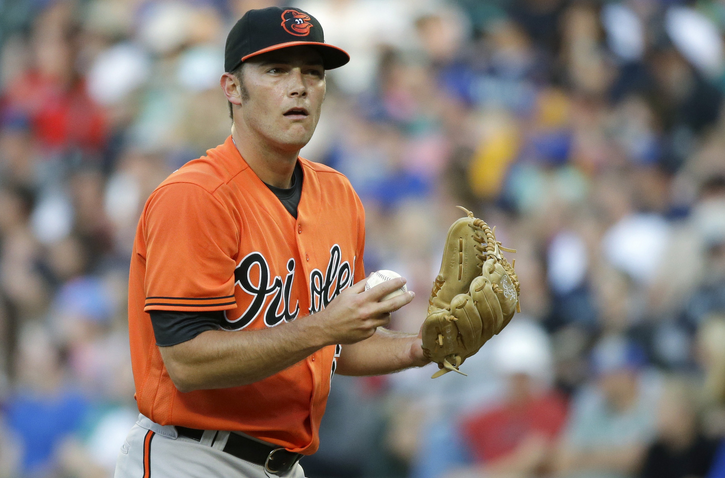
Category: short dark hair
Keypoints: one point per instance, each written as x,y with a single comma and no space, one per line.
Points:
238,73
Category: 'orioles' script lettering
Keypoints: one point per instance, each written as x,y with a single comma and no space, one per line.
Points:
323,288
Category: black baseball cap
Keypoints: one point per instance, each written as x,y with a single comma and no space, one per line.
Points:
268,29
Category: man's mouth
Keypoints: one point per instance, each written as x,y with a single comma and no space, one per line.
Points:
297,112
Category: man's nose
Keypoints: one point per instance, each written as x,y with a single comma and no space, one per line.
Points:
297,86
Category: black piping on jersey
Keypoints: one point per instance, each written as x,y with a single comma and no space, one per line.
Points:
190,305
191,298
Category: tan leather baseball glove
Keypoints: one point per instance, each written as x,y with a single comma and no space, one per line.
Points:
474,296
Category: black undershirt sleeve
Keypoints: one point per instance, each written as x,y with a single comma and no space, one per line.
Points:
172,327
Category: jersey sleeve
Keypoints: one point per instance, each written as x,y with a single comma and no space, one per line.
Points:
191,243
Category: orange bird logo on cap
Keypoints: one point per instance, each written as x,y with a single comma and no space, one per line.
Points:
296,23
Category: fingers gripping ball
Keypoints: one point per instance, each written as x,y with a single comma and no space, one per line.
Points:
381,276
474,296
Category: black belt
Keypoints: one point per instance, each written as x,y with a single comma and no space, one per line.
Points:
274,460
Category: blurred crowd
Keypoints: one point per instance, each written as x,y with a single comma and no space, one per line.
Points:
590,133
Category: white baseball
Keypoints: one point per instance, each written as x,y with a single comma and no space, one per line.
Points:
382,276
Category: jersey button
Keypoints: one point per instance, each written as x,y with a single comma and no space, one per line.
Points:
299,229
313,358
307,256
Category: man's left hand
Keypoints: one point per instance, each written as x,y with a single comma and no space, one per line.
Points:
415,352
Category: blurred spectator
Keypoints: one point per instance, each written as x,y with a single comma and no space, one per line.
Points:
516,437
711,355
708,218
44,410
612,423
51,92
23,286
680,449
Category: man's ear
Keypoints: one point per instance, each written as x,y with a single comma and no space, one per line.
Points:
231,88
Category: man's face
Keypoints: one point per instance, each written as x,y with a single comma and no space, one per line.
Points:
285,90
618,386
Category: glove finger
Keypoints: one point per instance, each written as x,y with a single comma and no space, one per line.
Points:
439,335
488,305
469,323
503,287
490,275
508,298
495,306
507,318
488,321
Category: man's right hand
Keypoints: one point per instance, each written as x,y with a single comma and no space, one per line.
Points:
355,314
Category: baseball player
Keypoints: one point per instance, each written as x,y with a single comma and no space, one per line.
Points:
246,290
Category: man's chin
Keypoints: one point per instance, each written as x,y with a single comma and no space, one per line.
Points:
290,146
295,143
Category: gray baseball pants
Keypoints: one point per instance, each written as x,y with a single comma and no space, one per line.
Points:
156,451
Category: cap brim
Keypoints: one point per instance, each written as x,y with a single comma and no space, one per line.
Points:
332,56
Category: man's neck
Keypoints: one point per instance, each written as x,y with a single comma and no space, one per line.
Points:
272,166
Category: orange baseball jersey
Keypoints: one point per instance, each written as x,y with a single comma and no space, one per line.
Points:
213,236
